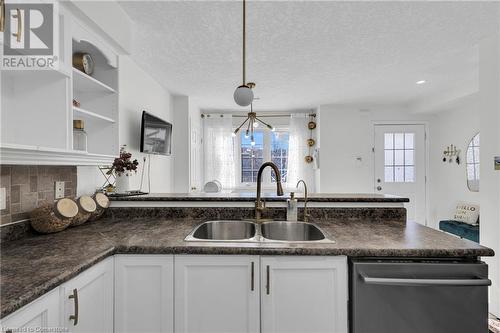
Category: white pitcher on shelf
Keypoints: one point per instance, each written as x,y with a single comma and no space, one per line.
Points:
122,184
124,168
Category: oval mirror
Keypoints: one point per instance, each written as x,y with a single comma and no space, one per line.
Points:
472,164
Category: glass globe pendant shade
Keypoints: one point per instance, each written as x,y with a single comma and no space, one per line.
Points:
243,95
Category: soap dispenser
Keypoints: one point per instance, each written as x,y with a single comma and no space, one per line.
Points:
291,208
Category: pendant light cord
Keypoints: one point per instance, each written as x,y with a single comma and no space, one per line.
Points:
244,41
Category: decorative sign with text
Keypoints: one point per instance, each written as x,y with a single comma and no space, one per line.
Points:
467,213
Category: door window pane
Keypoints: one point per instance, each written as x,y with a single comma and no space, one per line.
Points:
409,174
389,140
389,174
409,138
399,174
399,157
409,157
399,141
389,157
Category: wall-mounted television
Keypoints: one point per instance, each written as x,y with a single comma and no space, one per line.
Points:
156,135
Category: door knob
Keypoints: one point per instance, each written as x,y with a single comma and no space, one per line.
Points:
379,188
379,180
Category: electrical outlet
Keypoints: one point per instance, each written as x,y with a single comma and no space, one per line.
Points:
58,190
3,198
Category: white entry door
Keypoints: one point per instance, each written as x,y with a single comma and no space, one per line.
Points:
400,166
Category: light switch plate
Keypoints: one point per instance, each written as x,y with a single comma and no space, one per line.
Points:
3,198
59,190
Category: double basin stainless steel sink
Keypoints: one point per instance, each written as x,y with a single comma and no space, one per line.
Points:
248,231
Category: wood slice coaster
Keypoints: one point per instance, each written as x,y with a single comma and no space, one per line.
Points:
86,206
49,217
102,202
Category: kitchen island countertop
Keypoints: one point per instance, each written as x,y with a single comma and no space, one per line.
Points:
250,196
32,266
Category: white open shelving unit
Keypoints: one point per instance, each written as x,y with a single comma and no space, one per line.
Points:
37,110
82,113
86,83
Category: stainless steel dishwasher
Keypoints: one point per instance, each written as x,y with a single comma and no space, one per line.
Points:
418,296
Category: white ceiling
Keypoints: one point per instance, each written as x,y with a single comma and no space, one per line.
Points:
305,53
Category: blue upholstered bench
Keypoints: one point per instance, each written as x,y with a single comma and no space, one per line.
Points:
460,229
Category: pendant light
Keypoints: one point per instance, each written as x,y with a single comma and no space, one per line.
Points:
252,122
243,95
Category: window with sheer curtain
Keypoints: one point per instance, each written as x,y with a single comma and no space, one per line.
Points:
235,162
219,150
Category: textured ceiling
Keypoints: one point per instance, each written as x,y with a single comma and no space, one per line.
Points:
305,53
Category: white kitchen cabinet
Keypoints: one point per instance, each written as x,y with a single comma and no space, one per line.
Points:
304,294
41,313
144,293
216,293
37,105
88,300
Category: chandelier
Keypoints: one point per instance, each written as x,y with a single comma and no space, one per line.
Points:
252,121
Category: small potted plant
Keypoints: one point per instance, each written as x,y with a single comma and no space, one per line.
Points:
124,168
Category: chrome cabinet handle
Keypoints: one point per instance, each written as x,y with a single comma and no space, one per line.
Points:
252,278
74,317
426,282
268,282
19,25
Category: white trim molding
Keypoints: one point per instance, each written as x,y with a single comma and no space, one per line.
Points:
28,155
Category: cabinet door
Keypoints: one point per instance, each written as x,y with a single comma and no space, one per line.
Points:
144,293
216,293
304,294
89,298
41,313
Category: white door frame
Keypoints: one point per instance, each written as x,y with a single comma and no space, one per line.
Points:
426,154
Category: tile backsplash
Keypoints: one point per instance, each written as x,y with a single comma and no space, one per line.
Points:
26,187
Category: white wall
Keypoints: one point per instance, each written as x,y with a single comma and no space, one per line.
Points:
186,115
447,182
180,142
111,20
489,105
346,133
138,92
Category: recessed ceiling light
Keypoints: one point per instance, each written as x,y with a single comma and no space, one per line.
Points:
421,82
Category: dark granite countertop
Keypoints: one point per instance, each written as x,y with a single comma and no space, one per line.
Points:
250,196
32,266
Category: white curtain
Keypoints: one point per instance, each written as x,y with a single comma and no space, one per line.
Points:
298,168
218,150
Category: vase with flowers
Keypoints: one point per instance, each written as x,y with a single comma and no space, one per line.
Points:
124,168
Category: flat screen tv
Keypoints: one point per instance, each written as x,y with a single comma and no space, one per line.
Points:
156,135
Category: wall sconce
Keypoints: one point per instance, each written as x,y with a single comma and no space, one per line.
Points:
451,154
